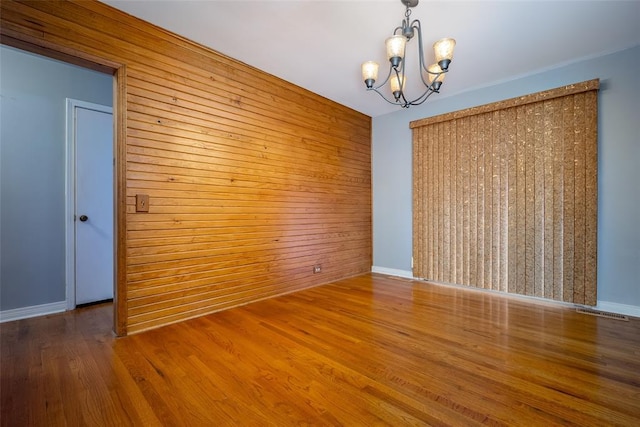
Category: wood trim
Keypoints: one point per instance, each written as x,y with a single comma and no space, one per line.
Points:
120,319
10,36
512,102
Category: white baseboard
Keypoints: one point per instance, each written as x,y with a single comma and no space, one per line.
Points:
614,307
32,311
611,307
392,272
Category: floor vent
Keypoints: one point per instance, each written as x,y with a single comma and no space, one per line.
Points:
603,314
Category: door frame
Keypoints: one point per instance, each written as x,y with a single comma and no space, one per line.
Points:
70,194
42,46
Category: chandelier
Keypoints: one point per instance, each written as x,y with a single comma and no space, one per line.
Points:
432,76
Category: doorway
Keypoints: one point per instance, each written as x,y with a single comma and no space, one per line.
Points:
90,201
34,233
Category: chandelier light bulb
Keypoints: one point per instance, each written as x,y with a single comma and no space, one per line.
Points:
435,80
434,69
395,49
396,87
443,49
370,73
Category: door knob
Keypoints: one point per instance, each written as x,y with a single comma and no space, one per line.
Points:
83,218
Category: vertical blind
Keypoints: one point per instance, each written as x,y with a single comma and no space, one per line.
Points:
505,195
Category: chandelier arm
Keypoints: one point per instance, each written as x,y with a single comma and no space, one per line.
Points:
425,98
402,100
375,89
384,82
400,75
416,24
422,98
430,86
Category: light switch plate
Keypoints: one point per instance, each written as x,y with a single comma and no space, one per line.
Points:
142,203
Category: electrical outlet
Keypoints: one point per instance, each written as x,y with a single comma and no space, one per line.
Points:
317,269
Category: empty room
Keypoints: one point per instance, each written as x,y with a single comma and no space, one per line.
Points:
333,213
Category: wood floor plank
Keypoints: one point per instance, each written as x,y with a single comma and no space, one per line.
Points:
370,350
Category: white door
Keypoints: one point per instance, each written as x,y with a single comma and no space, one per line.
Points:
90,172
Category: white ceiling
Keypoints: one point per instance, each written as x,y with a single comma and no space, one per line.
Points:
319,45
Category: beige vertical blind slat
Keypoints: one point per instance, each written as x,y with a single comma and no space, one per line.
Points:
446,205
472,200
558,207
512,209
579,198
568,201
548,237
591,196
505,195
459,227
520,199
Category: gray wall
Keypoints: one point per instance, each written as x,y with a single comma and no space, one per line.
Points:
618,168
32,171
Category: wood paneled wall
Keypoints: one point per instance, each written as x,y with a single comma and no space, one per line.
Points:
252,180
505,195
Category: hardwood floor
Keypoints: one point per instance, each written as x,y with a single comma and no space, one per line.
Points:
370,350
